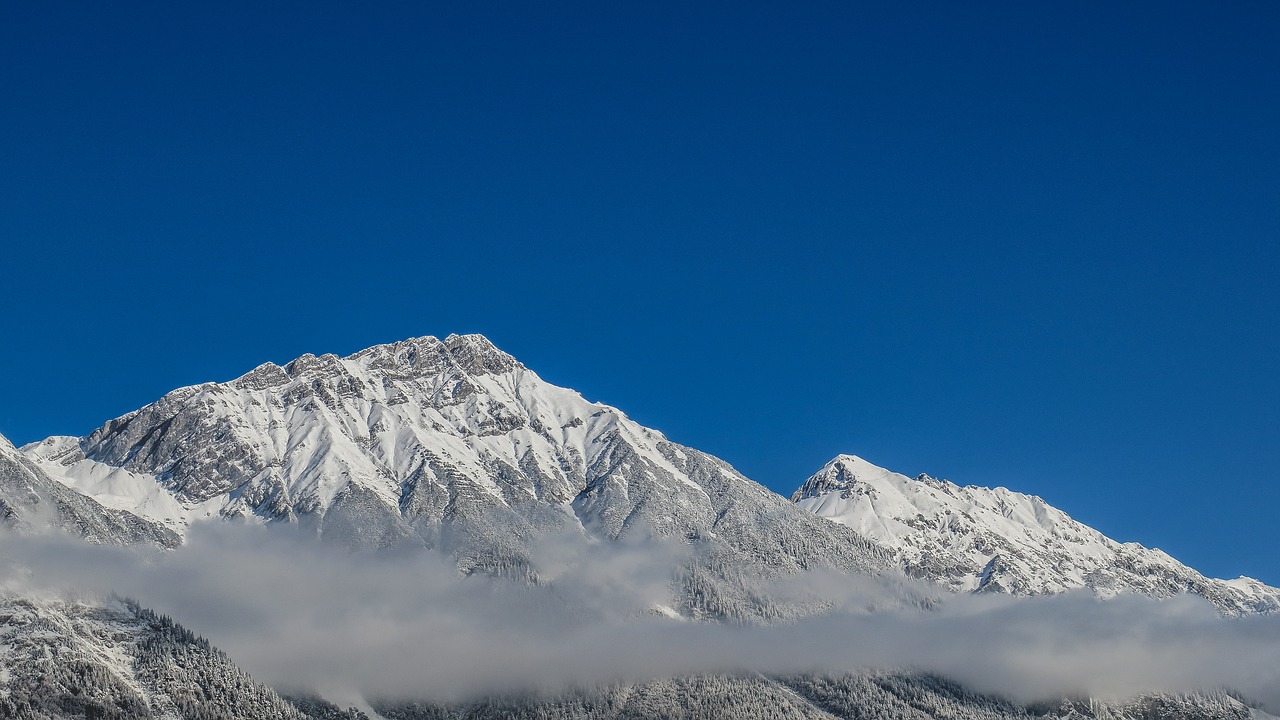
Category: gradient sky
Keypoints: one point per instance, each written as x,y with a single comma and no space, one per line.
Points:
1027,244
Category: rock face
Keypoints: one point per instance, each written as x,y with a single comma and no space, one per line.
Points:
451,444
984,540
32,502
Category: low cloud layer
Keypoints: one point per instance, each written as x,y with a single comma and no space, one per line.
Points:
297,613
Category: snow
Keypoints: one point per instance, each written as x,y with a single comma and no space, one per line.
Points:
437,422
112,486
310,429
971,538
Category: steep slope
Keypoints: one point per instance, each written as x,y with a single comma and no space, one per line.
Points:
451,444
73,659
30,501
980,539
899,695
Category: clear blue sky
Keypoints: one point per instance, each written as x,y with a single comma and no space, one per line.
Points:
1028,244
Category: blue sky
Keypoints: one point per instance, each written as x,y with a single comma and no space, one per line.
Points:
1020,244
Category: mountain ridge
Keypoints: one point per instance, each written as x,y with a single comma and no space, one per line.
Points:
449,444
455,444
980,539
32,502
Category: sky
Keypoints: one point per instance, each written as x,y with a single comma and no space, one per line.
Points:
1027,245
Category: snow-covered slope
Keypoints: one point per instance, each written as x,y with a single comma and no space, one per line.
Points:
855,696
32,502
982,539
450,444
88,658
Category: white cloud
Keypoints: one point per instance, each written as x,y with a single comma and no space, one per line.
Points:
297,613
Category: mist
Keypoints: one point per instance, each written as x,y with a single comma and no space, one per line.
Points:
300,614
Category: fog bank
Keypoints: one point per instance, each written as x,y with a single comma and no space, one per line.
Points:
302,614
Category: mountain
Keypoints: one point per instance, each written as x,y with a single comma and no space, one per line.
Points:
112,659
454,445
32,502
984,540
861,696
450,444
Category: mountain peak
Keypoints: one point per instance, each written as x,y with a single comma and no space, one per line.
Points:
996,540
853,463
840,473
449,444
425,356
428,355
475,354
308,364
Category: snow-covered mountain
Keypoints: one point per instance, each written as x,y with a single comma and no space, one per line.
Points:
451,444
86,658
995,540
899,694
454,444
32,502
